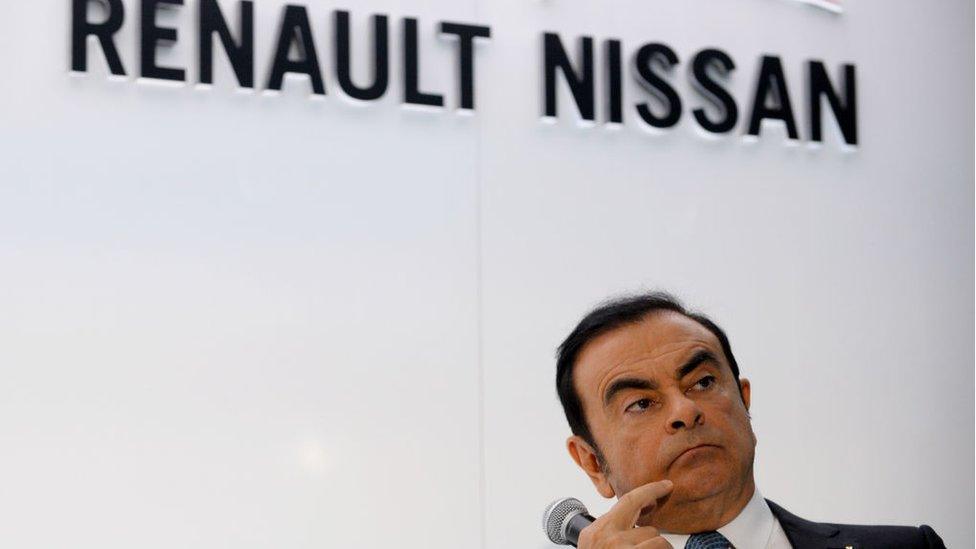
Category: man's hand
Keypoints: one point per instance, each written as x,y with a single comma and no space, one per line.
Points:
615,530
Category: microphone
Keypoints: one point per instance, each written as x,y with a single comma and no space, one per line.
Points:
563,520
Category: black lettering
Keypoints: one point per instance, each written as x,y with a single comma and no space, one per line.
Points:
296,30
845,112
411,74
713,90
240,55
381,56
466,35
580,84
658,86
81,29
615,104
771,79
150,36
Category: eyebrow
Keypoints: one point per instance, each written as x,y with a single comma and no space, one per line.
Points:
622,384
700,357
625,383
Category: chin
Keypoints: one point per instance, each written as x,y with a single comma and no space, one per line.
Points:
699,483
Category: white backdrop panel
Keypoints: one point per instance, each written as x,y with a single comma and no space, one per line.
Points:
845,280
232,319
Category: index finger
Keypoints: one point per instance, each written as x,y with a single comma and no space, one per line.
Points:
625,512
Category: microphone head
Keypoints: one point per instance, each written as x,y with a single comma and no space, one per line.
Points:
555,518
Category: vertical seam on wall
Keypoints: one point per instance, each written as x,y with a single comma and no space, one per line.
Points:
479,327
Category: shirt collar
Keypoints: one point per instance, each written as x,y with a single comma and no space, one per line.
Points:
751,528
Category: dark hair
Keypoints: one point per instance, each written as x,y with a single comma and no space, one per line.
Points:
608,316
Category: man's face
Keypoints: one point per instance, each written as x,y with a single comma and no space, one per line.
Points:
651,392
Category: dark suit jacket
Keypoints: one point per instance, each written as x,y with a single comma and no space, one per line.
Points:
804,534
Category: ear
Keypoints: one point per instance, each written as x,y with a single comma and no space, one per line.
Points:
746,389
585,456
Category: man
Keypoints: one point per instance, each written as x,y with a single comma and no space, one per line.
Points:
660,419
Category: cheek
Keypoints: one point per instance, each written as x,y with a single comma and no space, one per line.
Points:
637,456
732,419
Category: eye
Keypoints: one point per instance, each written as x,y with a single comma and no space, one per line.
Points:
639,406
704,383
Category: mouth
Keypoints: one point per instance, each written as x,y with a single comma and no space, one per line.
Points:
694,451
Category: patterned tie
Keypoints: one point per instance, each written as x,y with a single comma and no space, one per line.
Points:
708,540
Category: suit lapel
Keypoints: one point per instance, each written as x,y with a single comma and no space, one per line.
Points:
804,534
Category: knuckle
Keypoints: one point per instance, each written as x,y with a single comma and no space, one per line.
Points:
596,536
658,543
587,537
661,543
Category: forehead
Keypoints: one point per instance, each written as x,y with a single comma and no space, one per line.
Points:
659,340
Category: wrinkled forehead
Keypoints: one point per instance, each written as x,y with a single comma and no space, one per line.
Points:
657,342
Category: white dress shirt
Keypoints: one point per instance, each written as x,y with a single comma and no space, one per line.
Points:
754,528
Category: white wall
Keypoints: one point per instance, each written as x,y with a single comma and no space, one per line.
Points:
238,320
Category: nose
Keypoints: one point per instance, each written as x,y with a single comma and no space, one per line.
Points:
684,413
